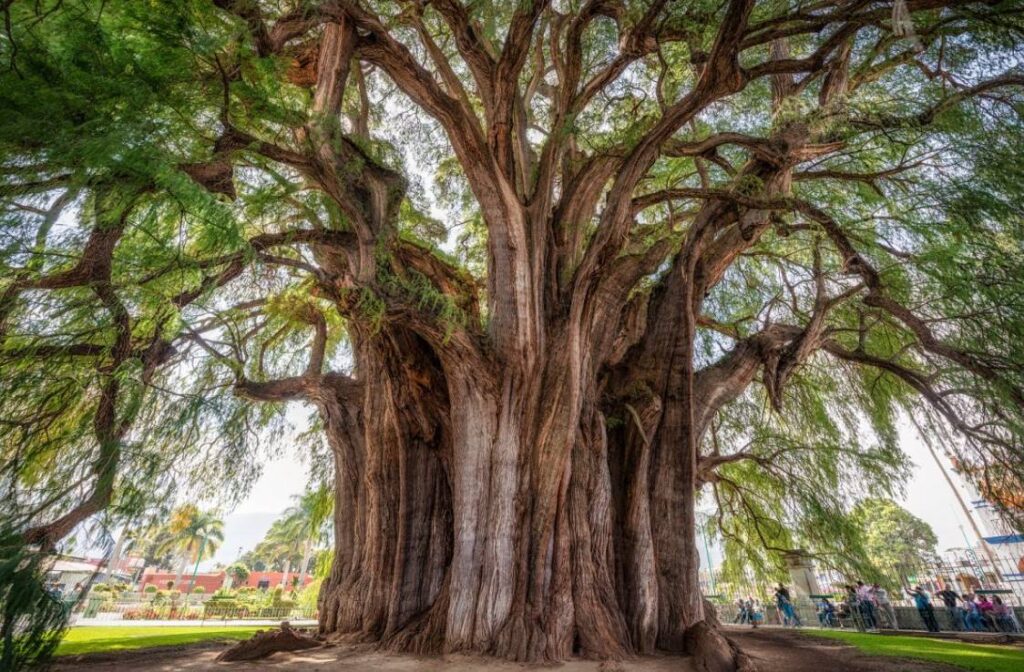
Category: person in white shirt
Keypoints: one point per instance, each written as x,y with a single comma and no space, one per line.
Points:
867,605
881,596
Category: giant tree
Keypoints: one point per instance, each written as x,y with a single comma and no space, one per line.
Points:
668,245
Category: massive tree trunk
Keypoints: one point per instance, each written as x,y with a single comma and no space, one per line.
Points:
483,503
487,507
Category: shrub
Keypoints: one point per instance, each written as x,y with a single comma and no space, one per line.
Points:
199,590
150,589
308,596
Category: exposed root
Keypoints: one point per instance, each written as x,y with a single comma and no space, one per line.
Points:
714,652
269,642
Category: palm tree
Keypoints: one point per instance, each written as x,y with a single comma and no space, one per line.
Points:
305,522
301,526
278,547
193,535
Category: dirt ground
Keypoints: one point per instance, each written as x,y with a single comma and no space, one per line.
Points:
773,650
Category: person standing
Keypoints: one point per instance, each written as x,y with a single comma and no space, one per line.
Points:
826,613
972,619
1003,616
741,612
954,612
924,608
985,608
884,606
785,606
853,608
756,612
867,606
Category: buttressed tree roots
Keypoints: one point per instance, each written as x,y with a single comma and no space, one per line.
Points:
519,444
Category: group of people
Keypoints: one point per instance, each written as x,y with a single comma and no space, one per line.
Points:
749,611
865,604
978,613
869,607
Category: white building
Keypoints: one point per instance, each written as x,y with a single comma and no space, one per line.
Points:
1006,543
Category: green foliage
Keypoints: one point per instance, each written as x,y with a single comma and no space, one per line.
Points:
293,535
193,534
32,620
809,467
896,541
324,561
238,572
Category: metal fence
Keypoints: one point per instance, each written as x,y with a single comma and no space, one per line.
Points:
134,607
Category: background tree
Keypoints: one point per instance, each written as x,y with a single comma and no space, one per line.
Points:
238,572
192,535
305,523
280,550
670,249
896,541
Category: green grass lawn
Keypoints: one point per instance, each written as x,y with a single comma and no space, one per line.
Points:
104,639
979,657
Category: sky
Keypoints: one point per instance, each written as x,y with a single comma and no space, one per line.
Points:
926,495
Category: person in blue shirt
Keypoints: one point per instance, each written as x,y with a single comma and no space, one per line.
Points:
924,608
826,613
785,607
973,620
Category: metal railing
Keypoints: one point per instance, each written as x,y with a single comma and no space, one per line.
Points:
138,608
